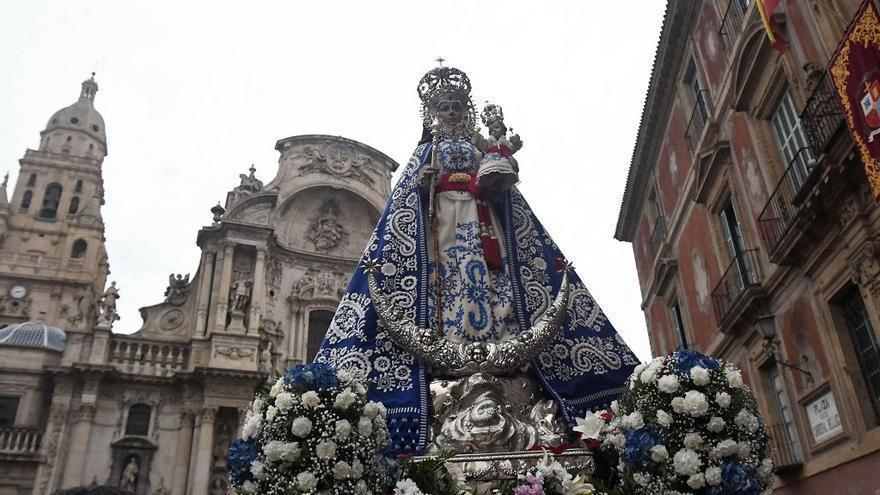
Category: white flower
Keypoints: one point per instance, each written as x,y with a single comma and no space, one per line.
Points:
696,481
406,487
649,375
277,388
723,400
257,469
724,448
695,403
274,450
365,426
641,479
638,371
290,452
743,449
633,420
590,426
251,425
617,440
747,420
326,449
361,488
693,441
677,404
713,475
306,481
341,470
716,424
700,375
344,399
663,418
284,401
301,426
271,411
310,399
766,467
659,453
668,384
615,407
686,462
357,469
248,486
734,378
343,429
371,410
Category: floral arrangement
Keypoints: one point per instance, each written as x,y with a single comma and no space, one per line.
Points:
687,424
313,432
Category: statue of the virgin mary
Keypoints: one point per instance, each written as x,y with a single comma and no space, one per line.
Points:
471,328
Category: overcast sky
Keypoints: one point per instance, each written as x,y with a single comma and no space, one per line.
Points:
194,92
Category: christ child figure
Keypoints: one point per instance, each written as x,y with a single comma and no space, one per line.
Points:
498,168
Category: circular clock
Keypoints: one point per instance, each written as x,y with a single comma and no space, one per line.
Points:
17,291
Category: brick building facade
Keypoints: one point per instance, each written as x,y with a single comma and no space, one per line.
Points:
755,235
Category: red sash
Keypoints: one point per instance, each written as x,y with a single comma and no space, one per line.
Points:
461,181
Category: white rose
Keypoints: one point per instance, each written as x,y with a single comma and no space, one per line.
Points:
617,440
663,418
306,481
365,426
668,384
723,448
344,399
257,469
271,411
641,479
700,375
615,407
290,452
633,420
723,400
284,401
766,467
357,469
361,488
341,470
590,426
248,487
677,404
277,388
713,475
743,449
659,453
343,429
273,450
382,411
371,410
747,420
638,371
695,403
693,441
649,375
301,426
734,378
310,399
686,462
326,449
696,481
251,425
716,424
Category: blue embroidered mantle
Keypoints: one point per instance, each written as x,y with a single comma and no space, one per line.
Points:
584,368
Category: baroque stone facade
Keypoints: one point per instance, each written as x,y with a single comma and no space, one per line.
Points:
155,411
754,233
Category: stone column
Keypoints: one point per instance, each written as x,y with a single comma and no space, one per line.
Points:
257,292
194,452
184,449
205,453
293,340
222,292
207,269
78,446
57,434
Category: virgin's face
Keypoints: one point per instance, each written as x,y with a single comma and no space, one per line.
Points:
450,112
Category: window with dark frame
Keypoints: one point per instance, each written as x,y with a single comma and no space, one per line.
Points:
785,416
319,322
51,199
8,410
864,341
678,324
692,81
138,422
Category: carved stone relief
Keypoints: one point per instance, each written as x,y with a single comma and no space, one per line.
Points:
177,288
865,266
336,159
325,231
233,353
320,283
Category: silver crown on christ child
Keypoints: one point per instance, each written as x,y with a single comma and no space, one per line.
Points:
491,113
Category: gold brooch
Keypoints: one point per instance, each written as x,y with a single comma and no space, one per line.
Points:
459,177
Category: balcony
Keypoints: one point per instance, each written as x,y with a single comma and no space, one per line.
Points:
138,357
783,448
658,235
20,442
732,23
699,116
781,210
822,117
737,286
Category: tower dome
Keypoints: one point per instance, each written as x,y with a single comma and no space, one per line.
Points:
33,334
73,128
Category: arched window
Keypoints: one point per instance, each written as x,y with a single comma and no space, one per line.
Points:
79,248
138,422
26,200
32,180
74,205
79,186
319,322
51,198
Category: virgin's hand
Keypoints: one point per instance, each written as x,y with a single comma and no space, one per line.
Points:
425,175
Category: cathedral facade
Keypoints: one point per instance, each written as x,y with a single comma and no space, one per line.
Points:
153,412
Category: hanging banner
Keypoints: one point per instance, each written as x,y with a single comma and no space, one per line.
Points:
855,71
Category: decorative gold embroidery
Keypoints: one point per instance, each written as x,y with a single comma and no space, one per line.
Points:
459,177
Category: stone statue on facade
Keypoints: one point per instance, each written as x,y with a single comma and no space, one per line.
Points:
240,295
128,480
177,288
267,364
326,232
107,306
249,183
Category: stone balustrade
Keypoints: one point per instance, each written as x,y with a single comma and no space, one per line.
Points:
20,441
140,357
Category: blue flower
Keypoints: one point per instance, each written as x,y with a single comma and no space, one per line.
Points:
313,376
687,359
637,450
736,479
241,454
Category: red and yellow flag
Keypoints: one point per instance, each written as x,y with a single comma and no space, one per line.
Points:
774,32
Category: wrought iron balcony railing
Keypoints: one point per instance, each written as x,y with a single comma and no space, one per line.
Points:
731,24
784,448
658,235
699,116
781,209
822,117
20,441
742,275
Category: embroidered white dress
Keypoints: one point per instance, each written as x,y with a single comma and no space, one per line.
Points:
477,302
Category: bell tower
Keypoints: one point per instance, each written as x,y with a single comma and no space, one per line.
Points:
53,262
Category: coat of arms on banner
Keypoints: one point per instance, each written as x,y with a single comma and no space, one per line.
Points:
870,100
